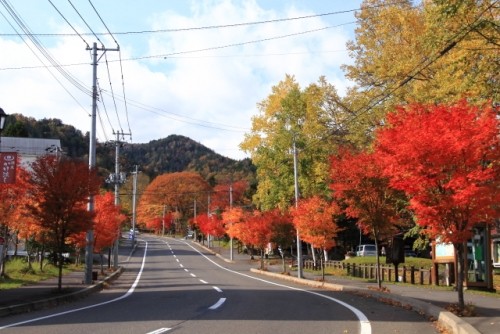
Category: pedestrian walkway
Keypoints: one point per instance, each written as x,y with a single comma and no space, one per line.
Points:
45,294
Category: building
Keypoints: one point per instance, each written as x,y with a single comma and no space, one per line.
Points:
28,149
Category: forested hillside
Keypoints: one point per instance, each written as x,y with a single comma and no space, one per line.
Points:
172,154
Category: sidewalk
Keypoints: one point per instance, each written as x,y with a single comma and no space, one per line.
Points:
44,293
430,301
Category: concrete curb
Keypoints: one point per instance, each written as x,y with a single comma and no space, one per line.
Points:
58,300
446,319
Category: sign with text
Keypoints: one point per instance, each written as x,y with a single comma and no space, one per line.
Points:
8,162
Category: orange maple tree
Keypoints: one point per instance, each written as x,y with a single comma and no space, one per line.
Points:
447,159
314,218
177,191
107,221
59,193
12,199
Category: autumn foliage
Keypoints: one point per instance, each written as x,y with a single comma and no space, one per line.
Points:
446,158
107,222
59,193
314,219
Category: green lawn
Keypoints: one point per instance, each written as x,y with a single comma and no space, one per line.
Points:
18,274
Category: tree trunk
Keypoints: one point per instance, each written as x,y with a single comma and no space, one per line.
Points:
60,262
323,259
379,278
460,252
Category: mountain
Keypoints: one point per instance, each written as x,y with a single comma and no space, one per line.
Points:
172,154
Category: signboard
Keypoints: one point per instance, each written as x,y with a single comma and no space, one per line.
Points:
445,253
8,162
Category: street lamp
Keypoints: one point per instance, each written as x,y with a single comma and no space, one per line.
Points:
3,116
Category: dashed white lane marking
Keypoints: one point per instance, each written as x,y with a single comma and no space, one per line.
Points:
159,331
218,304
217,289
177,260
193,275
181,265
204,282
365,325
186,270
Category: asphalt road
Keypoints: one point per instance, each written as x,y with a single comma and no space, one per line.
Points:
170,286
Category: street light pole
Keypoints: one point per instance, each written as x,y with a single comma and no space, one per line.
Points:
3,117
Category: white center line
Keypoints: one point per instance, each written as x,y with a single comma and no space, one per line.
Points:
217,289
204,282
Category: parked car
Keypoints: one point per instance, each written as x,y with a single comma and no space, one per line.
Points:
366,250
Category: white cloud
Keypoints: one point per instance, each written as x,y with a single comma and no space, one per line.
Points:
193,94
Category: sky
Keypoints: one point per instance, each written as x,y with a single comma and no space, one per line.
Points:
196,68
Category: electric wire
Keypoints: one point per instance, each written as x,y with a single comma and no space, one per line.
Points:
231,25
121,72
101,99
112,91
64,18
84,21
124,96
16,18
19,21
104,24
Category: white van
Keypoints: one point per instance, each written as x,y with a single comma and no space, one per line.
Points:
366,250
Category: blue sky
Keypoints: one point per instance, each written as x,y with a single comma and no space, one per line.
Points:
180,79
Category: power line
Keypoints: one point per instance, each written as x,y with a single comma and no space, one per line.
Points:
64,18
84,21
54,64
104,24
211,27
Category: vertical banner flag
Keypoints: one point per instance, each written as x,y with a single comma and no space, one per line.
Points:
8,161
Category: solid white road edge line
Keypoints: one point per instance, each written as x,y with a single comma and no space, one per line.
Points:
365,326
128,293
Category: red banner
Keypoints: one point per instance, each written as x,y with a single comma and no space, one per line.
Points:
8,163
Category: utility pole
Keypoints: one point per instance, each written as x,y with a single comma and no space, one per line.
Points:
134,195
89,248
230,207
117,178
296,186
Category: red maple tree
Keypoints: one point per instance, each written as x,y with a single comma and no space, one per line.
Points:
447,159
222,194
59,193
359,184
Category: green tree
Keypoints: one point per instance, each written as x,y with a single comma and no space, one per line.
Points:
307,118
